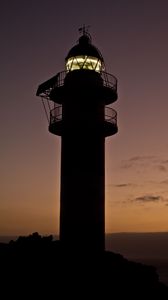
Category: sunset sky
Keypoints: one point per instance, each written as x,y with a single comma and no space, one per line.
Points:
132,36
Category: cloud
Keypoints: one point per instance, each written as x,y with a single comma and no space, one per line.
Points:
122,185
126,165
164,181
148,198
141,158
165,161
162,168
135,158
145,162
137,161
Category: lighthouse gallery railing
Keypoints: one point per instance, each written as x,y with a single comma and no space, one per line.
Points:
56,115
45,88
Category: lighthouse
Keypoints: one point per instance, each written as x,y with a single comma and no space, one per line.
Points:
80,112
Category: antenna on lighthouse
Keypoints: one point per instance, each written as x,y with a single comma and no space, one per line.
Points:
84,30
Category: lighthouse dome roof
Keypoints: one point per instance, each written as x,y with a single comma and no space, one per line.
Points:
84,48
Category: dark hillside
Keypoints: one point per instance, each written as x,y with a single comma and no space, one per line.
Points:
36,264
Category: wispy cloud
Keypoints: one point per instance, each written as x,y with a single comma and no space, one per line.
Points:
126,165
142,158
165,161
164,181
162,168
120,185
137,160
144,162
148,198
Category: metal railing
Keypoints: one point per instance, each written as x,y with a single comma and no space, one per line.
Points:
60,79
56,115
109,80
45,88
110,115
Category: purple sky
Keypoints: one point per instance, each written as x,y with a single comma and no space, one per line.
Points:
133,39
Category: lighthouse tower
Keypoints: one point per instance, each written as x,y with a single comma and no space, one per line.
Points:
81,115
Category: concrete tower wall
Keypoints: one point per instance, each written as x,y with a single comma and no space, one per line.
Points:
82,220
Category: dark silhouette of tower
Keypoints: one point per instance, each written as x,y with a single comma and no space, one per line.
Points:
80,115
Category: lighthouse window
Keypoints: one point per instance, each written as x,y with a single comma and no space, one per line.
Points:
83,62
